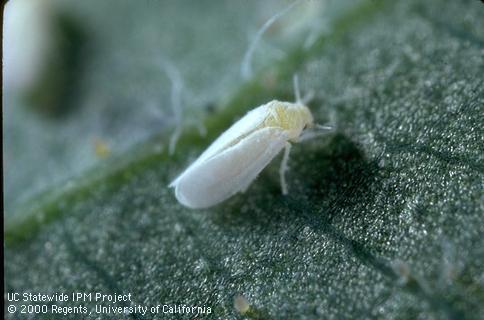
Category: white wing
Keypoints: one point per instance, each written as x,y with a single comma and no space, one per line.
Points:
217,178
242,127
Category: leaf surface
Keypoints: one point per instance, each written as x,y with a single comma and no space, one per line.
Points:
383,219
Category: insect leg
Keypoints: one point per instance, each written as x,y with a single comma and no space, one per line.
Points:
283,168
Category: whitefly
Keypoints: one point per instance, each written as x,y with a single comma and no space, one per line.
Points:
234,159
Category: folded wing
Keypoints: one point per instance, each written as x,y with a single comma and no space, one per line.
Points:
223,174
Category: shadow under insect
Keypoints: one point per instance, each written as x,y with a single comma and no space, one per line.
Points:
325,176
333,177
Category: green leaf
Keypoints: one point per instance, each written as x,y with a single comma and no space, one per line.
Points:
383,219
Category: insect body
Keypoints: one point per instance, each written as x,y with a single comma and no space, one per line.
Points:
235,159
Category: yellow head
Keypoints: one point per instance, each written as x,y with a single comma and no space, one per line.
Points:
293,117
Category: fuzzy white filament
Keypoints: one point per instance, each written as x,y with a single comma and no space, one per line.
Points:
246,68
175,97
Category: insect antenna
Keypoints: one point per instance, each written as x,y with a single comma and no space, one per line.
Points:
297,92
